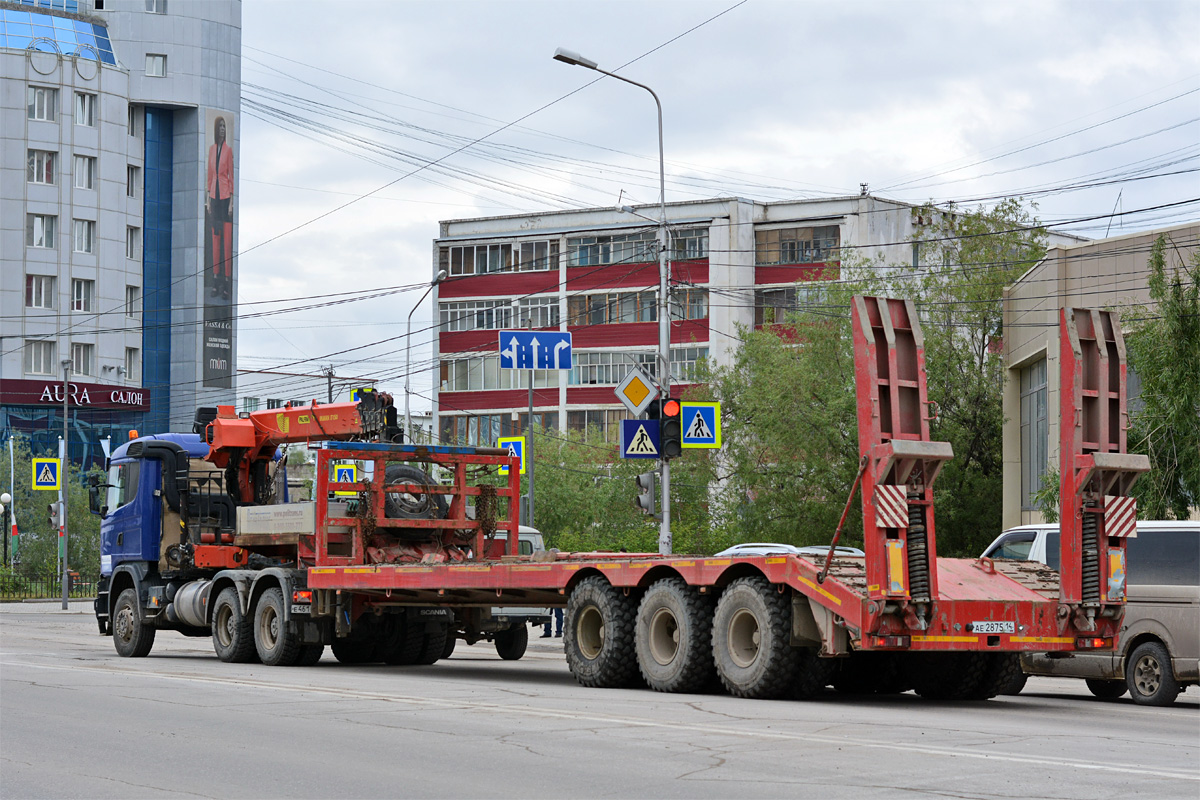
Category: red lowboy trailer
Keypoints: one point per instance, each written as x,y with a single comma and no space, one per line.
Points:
393,573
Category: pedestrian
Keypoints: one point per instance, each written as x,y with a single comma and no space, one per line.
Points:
558,619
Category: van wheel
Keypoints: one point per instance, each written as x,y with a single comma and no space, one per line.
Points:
131,638
1149,676
1106,690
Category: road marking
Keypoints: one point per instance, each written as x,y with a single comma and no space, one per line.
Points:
549,713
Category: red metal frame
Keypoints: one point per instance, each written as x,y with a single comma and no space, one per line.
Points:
1096,473
893,435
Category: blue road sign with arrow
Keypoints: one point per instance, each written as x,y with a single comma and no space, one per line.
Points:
535,350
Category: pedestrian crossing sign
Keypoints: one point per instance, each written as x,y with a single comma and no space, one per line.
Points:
515,445
46,474
701,424
345,473
640,438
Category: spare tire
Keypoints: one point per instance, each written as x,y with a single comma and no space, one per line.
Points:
403,505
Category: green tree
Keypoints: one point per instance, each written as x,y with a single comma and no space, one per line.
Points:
968,259
1164,351
38,547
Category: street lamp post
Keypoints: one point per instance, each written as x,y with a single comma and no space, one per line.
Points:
64,474
5,510
441,276
664,319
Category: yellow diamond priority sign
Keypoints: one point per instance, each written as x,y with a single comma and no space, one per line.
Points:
636,392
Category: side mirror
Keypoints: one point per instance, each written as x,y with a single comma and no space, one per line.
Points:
94,498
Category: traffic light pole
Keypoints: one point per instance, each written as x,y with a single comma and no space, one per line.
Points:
64,481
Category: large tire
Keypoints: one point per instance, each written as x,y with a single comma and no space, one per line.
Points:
354,651
751,640
946,676
1000,673
1106,690
403,642
310,654
452,640
673,637
1016,685
434,642
511,644
232,632
401,505
813,673
869,673
131,636
275,641
1149,676
598,635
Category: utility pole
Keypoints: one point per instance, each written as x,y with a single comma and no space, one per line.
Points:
329,377
528,454
64,481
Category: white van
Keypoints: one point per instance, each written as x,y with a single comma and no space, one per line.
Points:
1158,653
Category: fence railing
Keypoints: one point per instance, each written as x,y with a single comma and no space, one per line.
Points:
14,588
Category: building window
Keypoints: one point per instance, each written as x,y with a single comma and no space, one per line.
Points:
85,172
481,259
40,230
250,404
85,109
156,6
42,103
81,358
84,235
131,365
133,242
133,300
40,166
611,308
274,402
796,245
771,306
684,361
689,304
39,358
133,120
156,65
39,291
1034,431
470,374
475,315
539,312
607,422
133,179
608,367
485,429
81,294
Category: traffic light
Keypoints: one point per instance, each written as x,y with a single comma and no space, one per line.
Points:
670,428
645,498
52,510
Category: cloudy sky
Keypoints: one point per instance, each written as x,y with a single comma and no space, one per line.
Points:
1086,107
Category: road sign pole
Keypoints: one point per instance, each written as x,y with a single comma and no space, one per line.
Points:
529,448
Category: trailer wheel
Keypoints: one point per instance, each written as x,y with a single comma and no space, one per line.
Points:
751,640
310,654
451,640
511,644
813,673
1148,674
132,638
402,505
946,676
434,642
1106,690
674,637
598,635
401,644
232,633
869,673
276,643
354,651
1001,671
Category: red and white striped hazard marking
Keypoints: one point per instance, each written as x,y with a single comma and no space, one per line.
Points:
891,507
1120,516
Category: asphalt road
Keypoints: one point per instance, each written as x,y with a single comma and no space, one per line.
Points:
78,721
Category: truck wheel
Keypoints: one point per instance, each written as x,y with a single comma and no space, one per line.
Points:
1106,690
868,673
434,642
402,643
511,644
946,676
452,640
277,645
598,635
751,640
1148,674
1000,672
674,637
310,654
813,673
354,651
402,505
132,638
232,633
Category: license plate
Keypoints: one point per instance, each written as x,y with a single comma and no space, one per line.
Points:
301,609
993,627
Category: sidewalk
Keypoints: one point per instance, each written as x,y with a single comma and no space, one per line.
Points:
75,606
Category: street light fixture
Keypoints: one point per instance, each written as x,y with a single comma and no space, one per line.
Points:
664,318
441,276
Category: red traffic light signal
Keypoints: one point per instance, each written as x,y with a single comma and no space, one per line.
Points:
670,429
670,408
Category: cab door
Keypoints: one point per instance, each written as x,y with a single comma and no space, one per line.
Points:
132,525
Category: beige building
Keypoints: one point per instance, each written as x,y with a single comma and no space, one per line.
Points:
1107,273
